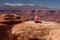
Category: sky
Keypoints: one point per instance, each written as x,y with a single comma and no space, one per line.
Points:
48,3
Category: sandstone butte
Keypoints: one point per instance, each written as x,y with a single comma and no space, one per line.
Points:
30,29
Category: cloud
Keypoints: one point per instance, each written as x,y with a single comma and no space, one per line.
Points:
13,4
31,4
18,4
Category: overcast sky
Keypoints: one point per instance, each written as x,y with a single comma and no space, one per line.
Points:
49,3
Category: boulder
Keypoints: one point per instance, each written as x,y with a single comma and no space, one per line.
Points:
30,29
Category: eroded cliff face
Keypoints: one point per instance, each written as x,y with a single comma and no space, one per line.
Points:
46,15
30,29
6,23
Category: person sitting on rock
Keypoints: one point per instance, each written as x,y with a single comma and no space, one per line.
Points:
37,19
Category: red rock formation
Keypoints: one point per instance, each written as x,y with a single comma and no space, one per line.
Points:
47,15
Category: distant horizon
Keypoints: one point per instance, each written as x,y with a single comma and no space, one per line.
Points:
47,3
25,4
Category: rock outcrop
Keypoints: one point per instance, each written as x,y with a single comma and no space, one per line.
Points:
54,35
6,23
30,29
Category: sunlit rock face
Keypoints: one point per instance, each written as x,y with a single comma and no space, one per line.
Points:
30,29
6,23
9,18
54,35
